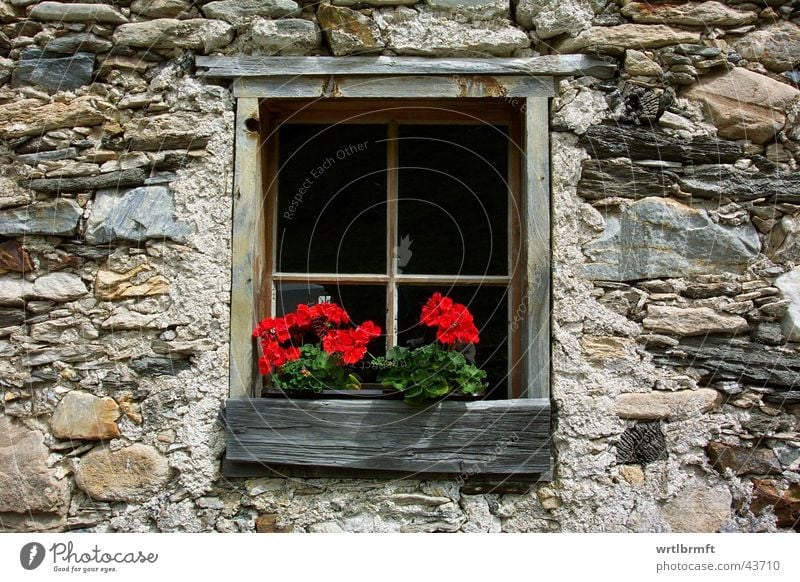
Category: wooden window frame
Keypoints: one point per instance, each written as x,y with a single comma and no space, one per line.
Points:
274,112
487,438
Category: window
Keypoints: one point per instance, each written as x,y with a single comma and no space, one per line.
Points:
386,104
376,205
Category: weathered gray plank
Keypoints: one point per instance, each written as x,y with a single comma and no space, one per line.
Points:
497,437
411,86
535,312
247,248
558,65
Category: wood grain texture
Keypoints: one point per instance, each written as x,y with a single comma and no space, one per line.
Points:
558,65
400,87
489,437
536,217
248,250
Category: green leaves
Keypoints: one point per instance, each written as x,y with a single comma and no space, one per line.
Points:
429,372
314,371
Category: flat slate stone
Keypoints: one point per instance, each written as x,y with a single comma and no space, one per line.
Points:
77,12
715,181
134,215
621,178
79,42
57,218
133,177
160,365
733,359
55,74
659,237
639,143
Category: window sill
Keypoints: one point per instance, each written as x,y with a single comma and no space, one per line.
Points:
503,437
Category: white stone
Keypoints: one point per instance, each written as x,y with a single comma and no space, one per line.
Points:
59,287
241,11
77,12
789,284
287,36
408,32
168,33
553,17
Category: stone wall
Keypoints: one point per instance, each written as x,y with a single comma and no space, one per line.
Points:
676,264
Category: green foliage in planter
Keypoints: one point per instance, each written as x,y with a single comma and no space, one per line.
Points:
314,371
429,372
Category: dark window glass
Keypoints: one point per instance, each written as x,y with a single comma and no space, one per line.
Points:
331,198
453,199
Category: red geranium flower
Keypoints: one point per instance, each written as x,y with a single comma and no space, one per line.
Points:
351,343
436,306
453,321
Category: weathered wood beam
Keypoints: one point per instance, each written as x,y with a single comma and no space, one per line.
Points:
487,437
557,65
407,86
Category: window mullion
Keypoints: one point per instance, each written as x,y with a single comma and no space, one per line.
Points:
391,235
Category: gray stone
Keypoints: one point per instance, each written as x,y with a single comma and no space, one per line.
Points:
77,42
77,12
348,32
783,242
287,36
48,156
768,333
716,181
698,508
160,365
80,415
789,284
63,330
161,8
645,143
132,177
134,215
133,473
621,178
658,405
27,485
688,14
776,46
57,218
474,9
691,321
408,32
242,11
553,17
614,40
57,74
168,33
59,286
743,104
663,238
180,130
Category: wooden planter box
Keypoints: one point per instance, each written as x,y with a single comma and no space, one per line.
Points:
500,437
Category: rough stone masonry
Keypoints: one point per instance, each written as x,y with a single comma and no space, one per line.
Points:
676,261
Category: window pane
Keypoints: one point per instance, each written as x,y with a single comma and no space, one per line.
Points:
331,198
453,199
489,307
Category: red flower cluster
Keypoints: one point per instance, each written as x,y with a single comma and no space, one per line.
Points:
350,343
453,320
325,320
